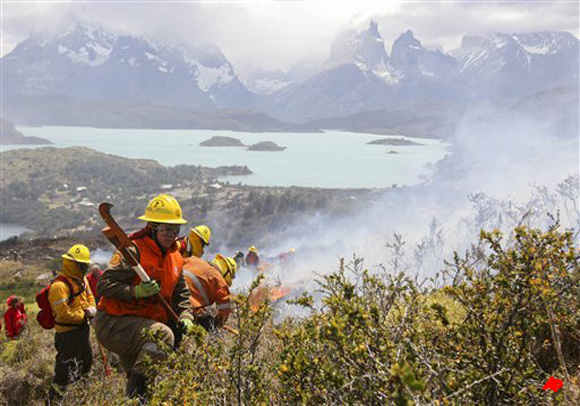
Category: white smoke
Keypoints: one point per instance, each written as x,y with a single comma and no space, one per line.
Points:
101,257
505,168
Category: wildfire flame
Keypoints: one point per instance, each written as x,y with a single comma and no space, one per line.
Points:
262,293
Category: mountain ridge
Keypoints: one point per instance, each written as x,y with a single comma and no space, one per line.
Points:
91,64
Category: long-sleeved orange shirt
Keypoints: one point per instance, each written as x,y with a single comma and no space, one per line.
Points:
206,286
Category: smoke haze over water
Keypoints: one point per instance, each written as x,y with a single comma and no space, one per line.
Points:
502,166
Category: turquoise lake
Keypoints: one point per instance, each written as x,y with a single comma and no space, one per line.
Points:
331,159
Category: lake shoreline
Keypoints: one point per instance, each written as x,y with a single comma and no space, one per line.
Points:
309,160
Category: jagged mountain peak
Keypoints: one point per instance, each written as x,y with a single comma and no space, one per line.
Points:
373,29
366,49
409,59
78,25
407,38
209,54
73,28
504,64
545,42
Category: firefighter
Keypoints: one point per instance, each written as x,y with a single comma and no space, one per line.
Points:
197,240
93,278
15,318
71,311
239,258
129,312
208,284
286,257
252,258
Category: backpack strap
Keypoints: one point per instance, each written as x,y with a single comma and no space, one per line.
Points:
72,295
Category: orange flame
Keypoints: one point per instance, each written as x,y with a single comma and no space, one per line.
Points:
262,293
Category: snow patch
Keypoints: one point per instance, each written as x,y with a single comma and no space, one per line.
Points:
385,74
152,57
541,49
209,77
98,56
498,42
472,59
268,85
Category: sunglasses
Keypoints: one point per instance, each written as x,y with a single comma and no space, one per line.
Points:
169,231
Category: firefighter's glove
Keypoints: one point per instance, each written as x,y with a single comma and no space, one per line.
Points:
146,289
90,312
187,326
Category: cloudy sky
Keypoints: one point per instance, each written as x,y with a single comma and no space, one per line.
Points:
278,34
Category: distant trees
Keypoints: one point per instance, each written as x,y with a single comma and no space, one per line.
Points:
36,176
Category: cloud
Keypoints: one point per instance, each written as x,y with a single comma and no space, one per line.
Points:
277,34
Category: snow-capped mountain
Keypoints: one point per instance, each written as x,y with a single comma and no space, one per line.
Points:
365,49
88,62
501,65
422,74
409,57
359,74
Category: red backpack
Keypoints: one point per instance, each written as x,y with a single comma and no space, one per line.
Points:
45,317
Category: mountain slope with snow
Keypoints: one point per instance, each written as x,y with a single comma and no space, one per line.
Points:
90,63
359,75
515,65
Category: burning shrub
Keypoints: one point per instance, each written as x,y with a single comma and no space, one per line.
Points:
234,366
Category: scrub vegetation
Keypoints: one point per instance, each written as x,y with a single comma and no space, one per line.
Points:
55,191
504,321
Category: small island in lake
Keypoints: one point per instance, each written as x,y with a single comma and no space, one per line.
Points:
266,146
220,141
393,141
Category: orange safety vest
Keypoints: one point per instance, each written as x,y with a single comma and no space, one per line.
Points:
166,270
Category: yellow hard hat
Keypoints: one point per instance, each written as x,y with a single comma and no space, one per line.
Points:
227,267
202,232
253,249
163,209
78,253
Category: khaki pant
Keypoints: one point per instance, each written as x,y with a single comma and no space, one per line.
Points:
129,337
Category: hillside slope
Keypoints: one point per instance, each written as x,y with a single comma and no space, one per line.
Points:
10,135
54,191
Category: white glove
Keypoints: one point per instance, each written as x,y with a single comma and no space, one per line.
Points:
90,312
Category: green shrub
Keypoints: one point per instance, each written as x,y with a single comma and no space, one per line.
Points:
507,322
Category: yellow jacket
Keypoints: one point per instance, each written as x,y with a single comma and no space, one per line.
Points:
58,295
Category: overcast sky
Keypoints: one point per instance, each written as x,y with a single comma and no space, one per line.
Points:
277,34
